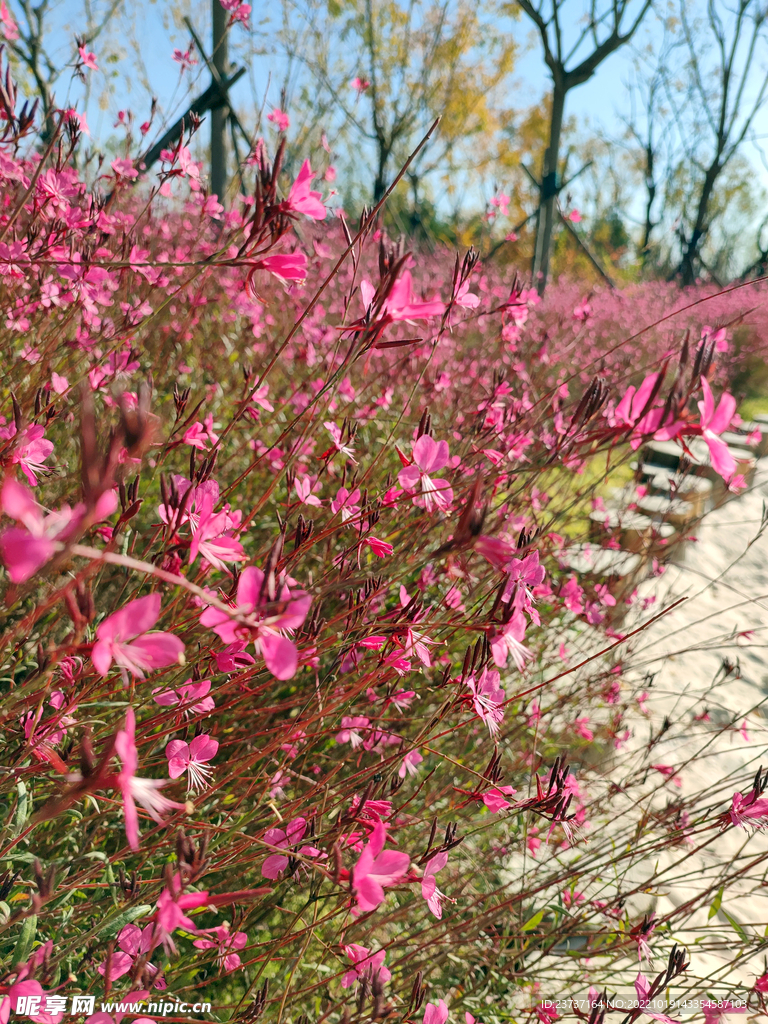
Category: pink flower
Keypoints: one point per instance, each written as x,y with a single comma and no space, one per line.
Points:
30,449
574,217
546,1012
285,839
303,487
301,199
289,266
749,810
501,203
9,27
133,943
495,798
436,1013
429,456
88,59
642,987
198,436
338,443
170,911
263,613
581,728
429,890
635,410
410,764
185,58
192,757
211,537
380,548
761,985
376,869
360,84
184,695
714,1013
365,965
464,297
488,698
509,641
713,422
124,639
280,119
27,999
25,551
124,168
226,943
669,772
145,791
400,305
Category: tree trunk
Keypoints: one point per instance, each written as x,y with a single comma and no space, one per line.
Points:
690,256
549,186
220,112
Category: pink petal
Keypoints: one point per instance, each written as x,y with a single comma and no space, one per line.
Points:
177,748
156,650
203,747
430,455
280,656
101,656
135,618
24,554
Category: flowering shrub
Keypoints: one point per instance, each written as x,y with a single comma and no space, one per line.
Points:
294,658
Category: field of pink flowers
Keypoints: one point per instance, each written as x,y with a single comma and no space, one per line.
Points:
305,711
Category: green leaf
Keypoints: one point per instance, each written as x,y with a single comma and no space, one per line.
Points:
25,940
716,904
22,808
736,927
111,928
533,921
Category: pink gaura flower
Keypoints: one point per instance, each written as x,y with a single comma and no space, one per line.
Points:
436,1013
749,810
124,168
285,839
508,640
400,304
200,437
380,548
301,199
303,487
280,119
133,942
715,1013
338,443
264,610
429,889
360,84
410,764
24,551
192,758
713,422
32,1006
88,59
211,537
376,869
129,1004
192,696
488,698
429,456
669,772
350,729
133,789
30,449
288,266
365,965
170,912
546,1012
495,799
124,639
643,987
227,943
